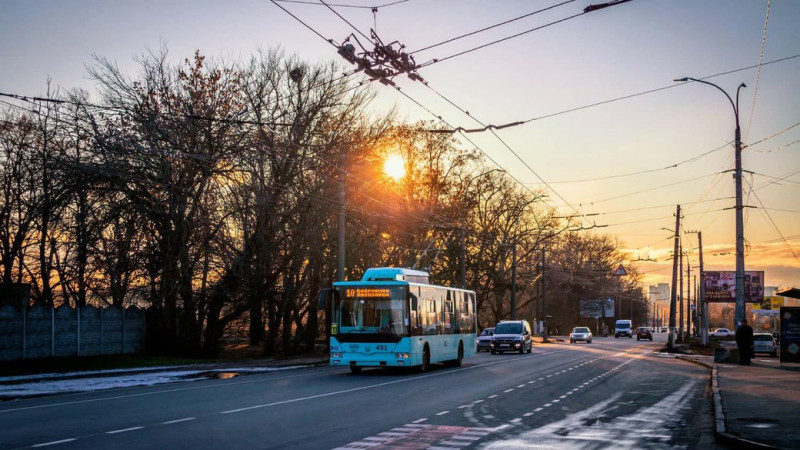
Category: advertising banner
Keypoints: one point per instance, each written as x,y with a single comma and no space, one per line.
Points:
594,308
772,302
790,334
721,286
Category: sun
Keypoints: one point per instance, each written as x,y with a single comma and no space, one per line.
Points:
394,167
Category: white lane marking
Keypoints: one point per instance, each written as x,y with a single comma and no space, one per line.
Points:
124,430
420,420
464,406
508,390
372,386
45,444
517,420
169,422
555,401
538,409
442,413
528,414
531,382
267,379
521,385
376,439
365,444
547,405
493,396
477,401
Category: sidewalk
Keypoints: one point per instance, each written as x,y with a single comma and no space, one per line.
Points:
756,406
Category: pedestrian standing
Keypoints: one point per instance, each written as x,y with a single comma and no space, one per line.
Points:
744,340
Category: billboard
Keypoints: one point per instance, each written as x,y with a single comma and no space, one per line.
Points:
790,334
772,302
721,286
594,308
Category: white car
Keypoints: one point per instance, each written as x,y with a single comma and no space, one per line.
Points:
721,333
764,343
580,334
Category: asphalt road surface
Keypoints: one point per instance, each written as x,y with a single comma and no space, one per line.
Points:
610,393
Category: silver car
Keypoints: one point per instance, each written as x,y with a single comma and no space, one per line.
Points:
580,334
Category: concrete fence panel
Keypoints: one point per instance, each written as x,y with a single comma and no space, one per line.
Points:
41,332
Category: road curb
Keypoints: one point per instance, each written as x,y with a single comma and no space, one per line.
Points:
720,431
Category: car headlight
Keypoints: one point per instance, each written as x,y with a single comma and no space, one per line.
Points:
518,338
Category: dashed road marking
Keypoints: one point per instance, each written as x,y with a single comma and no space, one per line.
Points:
124,430
45,444
170,422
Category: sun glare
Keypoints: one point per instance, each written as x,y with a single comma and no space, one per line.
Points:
394,167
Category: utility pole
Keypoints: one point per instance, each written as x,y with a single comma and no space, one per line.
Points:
701,309
462,260
340,249
739,310
695,311
680,292
673,291
545,333
688,296
514,278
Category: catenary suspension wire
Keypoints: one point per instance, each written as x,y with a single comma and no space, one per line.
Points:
758,72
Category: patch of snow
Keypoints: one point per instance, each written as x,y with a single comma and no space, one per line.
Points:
39,385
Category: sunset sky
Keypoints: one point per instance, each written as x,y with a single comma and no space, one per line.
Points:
625,163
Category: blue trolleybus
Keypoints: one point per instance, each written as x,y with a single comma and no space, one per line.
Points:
394,318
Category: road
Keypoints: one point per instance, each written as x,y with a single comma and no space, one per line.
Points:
611,393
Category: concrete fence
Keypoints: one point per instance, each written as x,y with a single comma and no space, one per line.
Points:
43,332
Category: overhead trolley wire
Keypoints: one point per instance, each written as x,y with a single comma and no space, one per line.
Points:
603,102
490,27
438,60
339,5
772,222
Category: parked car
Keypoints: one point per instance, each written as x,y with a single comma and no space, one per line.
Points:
721,333
484,341
764,343
663,329
644,333
580,334
512,336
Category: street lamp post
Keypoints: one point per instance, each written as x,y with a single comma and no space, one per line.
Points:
739,309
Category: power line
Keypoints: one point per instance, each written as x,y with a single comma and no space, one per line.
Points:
654,188
603,102
330,41
339,5
438,60
771,221
491,26
758,73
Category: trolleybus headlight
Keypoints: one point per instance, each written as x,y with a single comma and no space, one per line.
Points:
336,354
401,355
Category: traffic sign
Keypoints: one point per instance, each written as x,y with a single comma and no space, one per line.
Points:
620,271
